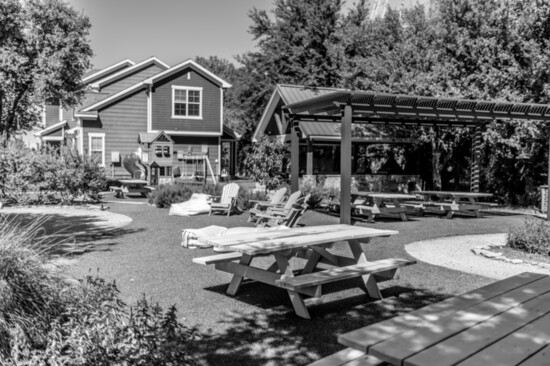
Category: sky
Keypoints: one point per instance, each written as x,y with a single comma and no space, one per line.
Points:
171,30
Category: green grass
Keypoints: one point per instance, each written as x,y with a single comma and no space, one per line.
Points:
258,326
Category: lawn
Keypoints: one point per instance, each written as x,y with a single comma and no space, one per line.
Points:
258,326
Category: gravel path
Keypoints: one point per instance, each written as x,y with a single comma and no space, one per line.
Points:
456,253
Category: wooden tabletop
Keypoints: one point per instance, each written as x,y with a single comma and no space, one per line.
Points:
272,241
132,181
391,196
504,323
449,193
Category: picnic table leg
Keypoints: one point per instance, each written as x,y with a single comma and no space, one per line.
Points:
296,298
369,281
237,280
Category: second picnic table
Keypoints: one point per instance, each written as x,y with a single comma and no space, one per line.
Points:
452,202
382,204
131,186
310,243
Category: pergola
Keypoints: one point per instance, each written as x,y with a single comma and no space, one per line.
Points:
349,107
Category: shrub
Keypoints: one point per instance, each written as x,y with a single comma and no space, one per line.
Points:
318,193
266,163
165,195
47,320
46,175
532,236
29,287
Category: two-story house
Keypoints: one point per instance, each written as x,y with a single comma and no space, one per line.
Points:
172,117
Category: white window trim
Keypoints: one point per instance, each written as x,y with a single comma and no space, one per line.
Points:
97,134
187,88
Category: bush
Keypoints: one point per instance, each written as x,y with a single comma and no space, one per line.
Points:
47,320
165,195
266,163
29,287
533,236
48,175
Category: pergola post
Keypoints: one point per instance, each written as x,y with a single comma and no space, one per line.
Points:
475,167
294,157
548,187
309,163
345,166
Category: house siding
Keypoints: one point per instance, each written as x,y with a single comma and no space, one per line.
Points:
121,123
131,79
52,114
162,104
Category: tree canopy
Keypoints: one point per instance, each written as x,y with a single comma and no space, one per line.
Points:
44,52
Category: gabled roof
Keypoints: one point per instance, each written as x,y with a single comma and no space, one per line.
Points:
148,137
183,65
103,72
285,95
51,128
121,94
113,97
128,70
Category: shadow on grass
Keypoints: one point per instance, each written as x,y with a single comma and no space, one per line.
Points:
62,235
279,337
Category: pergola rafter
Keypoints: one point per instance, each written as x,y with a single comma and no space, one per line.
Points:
347,107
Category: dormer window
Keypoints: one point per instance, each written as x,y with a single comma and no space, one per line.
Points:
186,102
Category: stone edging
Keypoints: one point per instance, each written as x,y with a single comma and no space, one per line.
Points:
486,252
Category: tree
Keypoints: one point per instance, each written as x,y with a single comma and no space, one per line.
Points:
44,52
294,46
265,163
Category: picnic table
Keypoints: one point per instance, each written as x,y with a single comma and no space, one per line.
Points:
504,323
131,186
452,202
311,244
388,204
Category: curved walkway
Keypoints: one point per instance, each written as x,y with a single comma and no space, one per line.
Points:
456,253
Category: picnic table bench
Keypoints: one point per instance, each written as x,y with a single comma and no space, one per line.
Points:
389,204
311,244
504,323
130,186
452,202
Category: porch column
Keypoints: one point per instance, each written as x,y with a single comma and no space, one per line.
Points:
309,167
476,150
345,166
294,157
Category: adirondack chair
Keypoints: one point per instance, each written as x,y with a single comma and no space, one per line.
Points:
261,206
283,209
227,200
290,219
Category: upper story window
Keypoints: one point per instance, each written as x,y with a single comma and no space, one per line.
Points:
186,102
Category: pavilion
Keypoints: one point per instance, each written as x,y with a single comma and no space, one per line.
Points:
348,107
